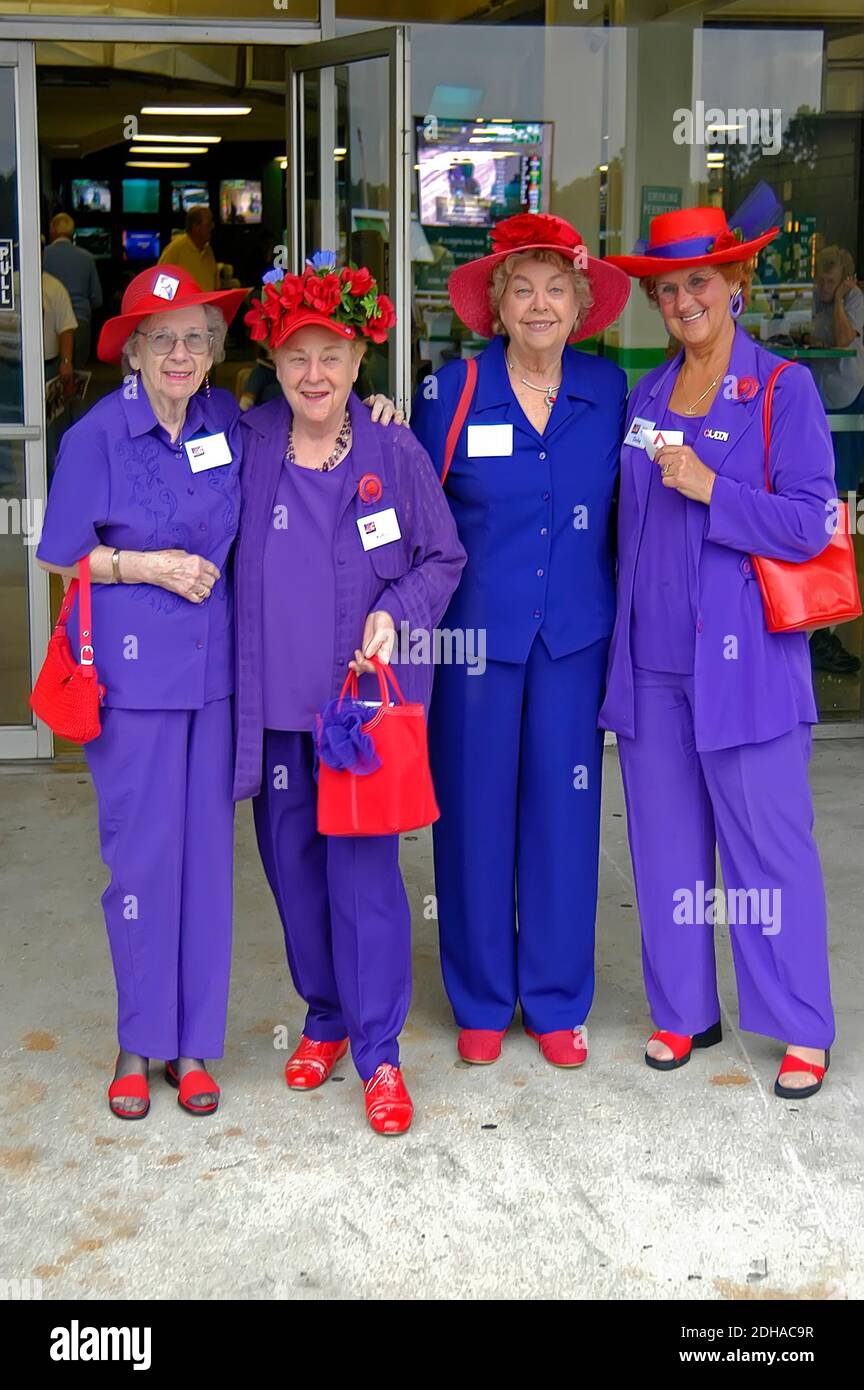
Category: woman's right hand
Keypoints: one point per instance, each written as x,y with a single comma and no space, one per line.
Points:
190,576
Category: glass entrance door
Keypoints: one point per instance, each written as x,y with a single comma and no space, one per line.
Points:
349,169
23,586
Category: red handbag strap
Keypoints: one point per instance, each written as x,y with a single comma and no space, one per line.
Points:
766,416
459,417
384,674
81,587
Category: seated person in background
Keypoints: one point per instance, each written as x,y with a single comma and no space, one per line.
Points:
261,385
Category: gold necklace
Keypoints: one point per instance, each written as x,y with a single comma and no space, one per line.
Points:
550,392
691,408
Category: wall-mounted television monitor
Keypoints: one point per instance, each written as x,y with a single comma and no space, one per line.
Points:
92,194
96,240
188,195
473,173
140,195
140,245
240,200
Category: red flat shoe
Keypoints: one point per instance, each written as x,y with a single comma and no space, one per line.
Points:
388,1105
131,1087
792,1063
566,1047
312,1063
681,1045
194,1083
479,1045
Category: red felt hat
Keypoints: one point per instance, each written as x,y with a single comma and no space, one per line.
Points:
537,231
691,237
154,291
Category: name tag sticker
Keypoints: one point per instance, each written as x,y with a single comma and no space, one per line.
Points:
633,436
490,441
379,529
210,451
656,439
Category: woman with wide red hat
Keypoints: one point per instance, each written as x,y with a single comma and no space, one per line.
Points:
526,438
712,709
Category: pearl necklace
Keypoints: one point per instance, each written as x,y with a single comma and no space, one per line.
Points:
550,392
333,459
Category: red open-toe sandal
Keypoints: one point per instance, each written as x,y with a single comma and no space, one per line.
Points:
132,1086
792,1063
681,1045
194,1083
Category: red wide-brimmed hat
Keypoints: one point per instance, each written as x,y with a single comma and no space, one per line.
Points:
347,302
694,237
537,231
154,291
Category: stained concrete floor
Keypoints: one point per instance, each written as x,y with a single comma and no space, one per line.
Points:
516,1181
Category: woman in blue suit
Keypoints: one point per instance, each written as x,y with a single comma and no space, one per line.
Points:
516,750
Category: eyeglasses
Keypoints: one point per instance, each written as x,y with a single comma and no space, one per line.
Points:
163,341
695,285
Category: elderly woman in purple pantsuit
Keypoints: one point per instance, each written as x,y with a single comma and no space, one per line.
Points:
321,483
713,711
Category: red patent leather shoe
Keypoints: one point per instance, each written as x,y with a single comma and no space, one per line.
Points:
566,1047
313,1062
129,1087
194,1083
388,1105
792,1063
681,1045
479,1046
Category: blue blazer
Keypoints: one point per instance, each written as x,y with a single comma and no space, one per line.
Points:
535,523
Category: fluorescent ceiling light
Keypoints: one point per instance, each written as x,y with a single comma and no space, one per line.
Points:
170,149
195,110
340,150
180,139
155,164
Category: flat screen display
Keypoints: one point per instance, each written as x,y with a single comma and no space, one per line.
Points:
471,174
140,195
140,245
188,195
96,240
240,200
92,194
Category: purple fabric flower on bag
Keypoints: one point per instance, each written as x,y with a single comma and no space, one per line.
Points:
340,739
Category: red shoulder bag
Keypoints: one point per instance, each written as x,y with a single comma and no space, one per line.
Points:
67,694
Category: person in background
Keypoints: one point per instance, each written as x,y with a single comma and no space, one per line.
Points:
261,384
75,268
191,250
838,322
58,339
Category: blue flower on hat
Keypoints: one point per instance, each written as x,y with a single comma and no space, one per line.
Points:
271,277
323,260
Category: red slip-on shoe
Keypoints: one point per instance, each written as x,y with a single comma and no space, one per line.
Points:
681,1045
480,1046
388,1105
313,1062
566,1047
793,1063
130,1087
194,1083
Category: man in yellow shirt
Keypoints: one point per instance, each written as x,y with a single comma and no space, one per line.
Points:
192,250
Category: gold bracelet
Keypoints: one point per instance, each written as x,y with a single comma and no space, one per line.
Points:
115,567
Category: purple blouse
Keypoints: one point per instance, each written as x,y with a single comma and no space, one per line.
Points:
664,585
299,596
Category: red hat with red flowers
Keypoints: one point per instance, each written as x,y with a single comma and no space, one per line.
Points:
346,301
702,236
537,231
154,291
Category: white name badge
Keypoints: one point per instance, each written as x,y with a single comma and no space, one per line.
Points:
211,451
490,441
656,439
379,529
634,434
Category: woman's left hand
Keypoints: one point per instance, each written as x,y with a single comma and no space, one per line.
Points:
682,469
384,410
379,639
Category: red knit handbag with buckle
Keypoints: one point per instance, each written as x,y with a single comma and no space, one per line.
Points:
67,694
817,592
399,794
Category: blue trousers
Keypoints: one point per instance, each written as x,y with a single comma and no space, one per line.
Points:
517,761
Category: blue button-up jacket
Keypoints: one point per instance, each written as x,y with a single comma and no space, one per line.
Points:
536,524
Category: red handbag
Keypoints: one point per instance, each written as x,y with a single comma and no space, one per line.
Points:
820,591
398,795
67,694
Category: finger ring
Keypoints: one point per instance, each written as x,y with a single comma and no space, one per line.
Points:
666,468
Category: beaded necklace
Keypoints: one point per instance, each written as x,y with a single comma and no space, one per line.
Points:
343,440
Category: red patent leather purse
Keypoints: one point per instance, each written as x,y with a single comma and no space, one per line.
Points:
67,693
815,593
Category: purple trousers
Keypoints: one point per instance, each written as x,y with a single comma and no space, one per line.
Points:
166,828
754,803
343,907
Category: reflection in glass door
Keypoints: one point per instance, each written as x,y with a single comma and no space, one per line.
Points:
23,586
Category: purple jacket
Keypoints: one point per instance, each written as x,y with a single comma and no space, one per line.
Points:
750,685
411,578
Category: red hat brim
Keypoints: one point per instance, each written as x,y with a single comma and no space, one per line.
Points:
305,318
641,266
468,286
115,331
